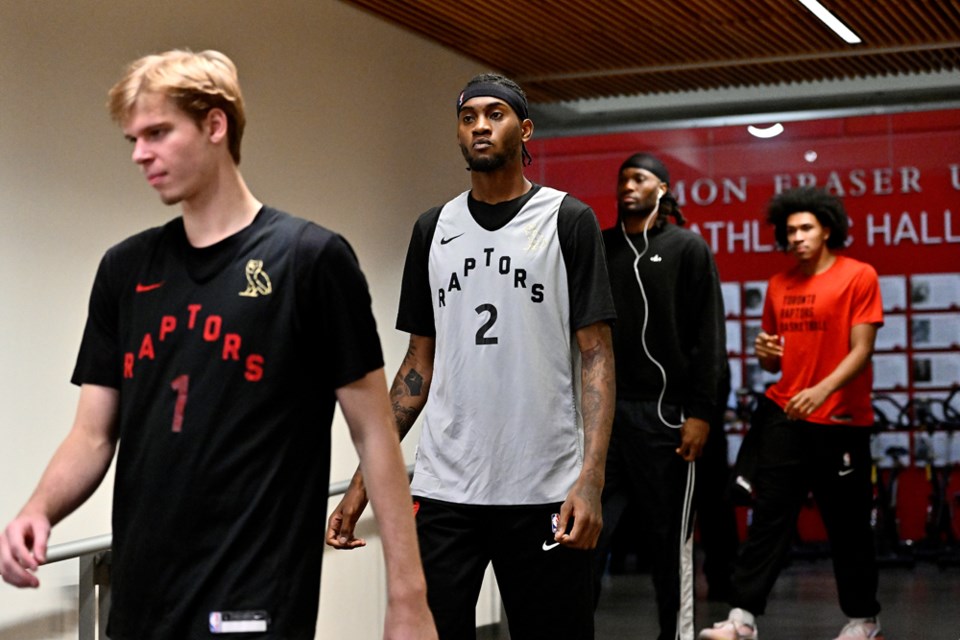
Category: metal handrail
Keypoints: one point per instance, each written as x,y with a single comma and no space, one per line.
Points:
77,548
96,544
94,574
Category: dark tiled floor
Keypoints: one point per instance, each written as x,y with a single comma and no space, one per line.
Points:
922,603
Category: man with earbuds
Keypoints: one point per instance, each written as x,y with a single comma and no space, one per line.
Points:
669,346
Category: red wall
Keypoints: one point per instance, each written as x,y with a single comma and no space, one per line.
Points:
899,177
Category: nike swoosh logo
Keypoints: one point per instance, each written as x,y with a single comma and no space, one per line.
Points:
547,546
450,239
844,472
148,287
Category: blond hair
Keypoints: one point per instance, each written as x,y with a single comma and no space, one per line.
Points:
196,82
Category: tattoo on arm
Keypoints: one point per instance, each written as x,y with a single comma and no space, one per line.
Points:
408,393
414,382
403,414
598,391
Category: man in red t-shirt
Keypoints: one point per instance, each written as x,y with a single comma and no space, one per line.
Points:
820,320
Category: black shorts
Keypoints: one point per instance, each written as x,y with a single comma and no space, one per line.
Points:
546,588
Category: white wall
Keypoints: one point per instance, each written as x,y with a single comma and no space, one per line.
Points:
350,123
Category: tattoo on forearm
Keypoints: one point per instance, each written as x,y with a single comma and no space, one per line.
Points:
598,390
414,382
406,394
404,417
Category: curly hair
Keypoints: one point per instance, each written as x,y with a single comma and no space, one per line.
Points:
196,82
827,208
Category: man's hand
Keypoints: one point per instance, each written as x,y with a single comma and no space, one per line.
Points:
769,350
768,346
23,548
382,474
343,520
805,402
583,506
693,437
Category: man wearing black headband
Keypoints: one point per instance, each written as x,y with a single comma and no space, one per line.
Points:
506,298
669,342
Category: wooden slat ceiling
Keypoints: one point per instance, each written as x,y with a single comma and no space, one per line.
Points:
563,50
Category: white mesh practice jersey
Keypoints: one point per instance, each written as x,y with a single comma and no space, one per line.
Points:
502,425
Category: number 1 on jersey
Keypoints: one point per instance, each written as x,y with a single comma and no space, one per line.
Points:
180,384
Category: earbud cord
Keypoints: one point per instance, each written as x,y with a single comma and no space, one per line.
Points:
646,311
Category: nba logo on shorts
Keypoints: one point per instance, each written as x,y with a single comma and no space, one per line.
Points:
554,522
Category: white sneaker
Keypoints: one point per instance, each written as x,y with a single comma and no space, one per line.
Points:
739,625
861,629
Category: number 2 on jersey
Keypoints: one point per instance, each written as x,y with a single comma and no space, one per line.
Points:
482,337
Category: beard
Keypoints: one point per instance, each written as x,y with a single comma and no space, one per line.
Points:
642,214
483,164
625,212
491,162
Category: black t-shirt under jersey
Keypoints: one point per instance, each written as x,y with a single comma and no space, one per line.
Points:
579,234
